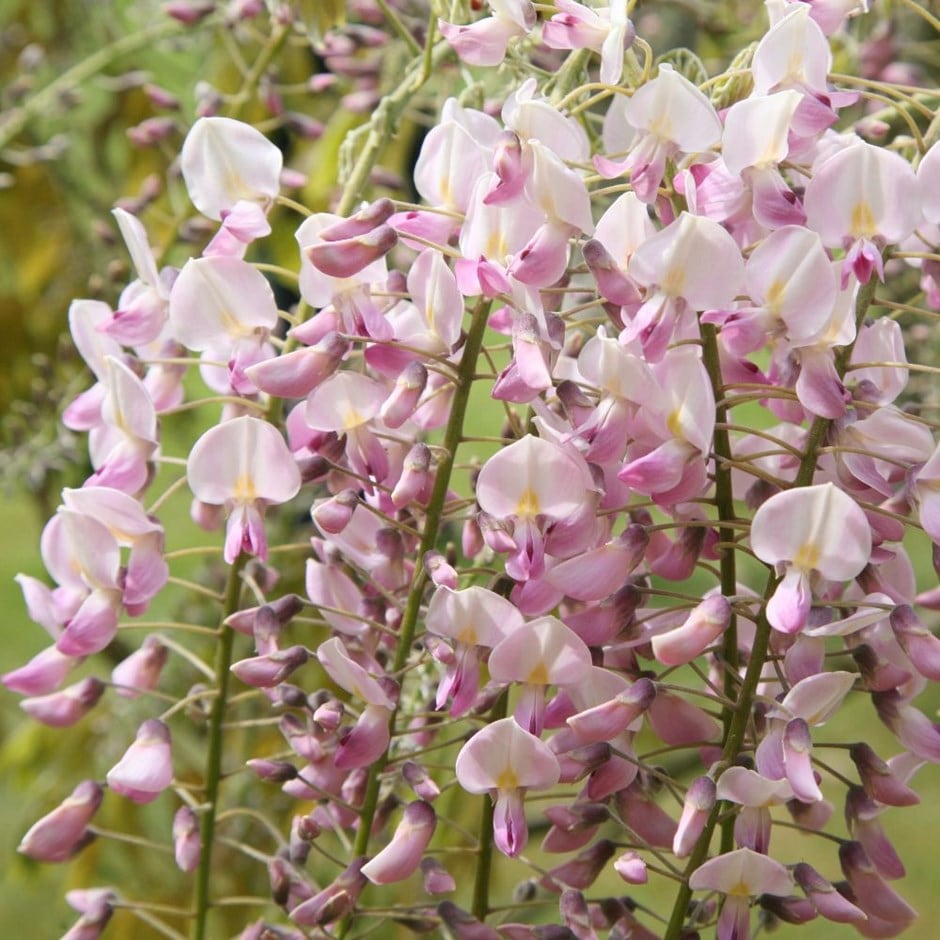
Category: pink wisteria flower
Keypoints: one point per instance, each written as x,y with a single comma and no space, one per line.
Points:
814,529
244,465
504,760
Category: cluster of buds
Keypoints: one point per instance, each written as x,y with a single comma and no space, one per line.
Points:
684,555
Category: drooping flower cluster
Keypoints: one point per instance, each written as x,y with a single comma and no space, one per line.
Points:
686,552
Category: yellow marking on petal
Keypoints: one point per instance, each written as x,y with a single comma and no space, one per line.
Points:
674,283
807,557
528,504
739,890
507,780
538,675
352,419
674,423
245,491
495,249
775,297
863,221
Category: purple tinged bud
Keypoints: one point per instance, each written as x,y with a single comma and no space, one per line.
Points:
918,642
605,721
336,900
495,534
403,854
348,256
160,97
581,871
146,769
791,910
440,571
879,781
437,879
187,843
151,131
829,902
43,674
862,819
264,672
471,538
303,125
415,480
464,926
65,708
141,671
417,778
404,397
329,715
91,924
62,833
632,869
699,800
188,11
575,912
364,221
335,513
874,896
273,771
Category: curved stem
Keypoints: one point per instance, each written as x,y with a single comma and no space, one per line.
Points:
44,99
214,756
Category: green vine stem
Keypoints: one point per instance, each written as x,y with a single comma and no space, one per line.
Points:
480,905
736,726
44,99
384,120
432,525
226,637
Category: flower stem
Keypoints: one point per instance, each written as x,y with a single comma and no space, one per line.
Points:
432,524
741,715
214,756
481,883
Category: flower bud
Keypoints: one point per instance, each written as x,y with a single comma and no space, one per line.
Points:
187,843
146,769
403,854
65,708
63,832
140,672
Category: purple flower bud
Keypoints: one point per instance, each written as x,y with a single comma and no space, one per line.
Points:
140,672
146,769
437,879
265,672
336,900
274,771
65,708
403,854
187,843
63,832
416,777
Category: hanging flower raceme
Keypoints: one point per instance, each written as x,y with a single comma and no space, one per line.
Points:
245,466
505,761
